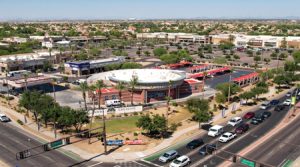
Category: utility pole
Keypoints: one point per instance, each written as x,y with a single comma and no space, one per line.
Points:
277,66
228,100
104,133
93,111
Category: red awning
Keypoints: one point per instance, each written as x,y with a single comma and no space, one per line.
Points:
245,77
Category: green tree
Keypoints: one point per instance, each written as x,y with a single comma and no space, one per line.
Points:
80,118
224,88
157,125
220,98
247,96
259,90
99,85
200,109
257,58
296,56
159,51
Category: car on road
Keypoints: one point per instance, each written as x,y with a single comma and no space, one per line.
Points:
265,105
4,118
289,94
257,119
215,130
235,121
249,115
207,149
168,156
181,161
287,102
242,128
274,102
226,137
266,114
194,144
279,108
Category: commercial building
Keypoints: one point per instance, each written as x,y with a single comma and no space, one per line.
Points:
28,61
176,37
80,68
152,85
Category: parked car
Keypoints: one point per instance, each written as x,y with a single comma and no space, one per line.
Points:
249,115
215,130
289,94
226,137
4,118
168,156
242,128
265,105
207,149
194,144
279,108
257,119
274,102
181,161
287,102
266,114
235,121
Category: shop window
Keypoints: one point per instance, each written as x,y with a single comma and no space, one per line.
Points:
113,97
106,98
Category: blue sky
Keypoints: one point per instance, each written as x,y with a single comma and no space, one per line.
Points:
146,9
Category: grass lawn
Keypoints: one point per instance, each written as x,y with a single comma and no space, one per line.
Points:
120,125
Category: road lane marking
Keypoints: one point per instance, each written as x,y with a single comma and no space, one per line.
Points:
96,164
148,162
139,163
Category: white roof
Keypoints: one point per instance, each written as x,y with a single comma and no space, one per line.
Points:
217,127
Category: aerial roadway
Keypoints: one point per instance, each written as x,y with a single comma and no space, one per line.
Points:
234,144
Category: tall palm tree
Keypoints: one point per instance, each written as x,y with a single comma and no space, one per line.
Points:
132,83
54,80
25,75
98,86
120,86
84,87
169,93
204,77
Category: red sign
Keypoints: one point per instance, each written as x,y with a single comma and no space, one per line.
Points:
134,142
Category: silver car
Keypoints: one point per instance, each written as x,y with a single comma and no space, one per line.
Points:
168,156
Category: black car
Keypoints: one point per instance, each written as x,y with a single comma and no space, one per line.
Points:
242,128
207,149
279,108
266,114
194,144
257,119
274,102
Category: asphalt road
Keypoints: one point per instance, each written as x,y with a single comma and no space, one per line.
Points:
254,133
281,148
13,140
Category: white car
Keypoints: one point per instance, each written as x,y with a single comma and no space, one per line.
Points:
168,156
181,161
226,137
265,105
4,118
235,121
287,102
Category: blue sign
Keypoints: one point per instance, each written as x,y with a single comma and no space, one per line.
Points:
79,65
114,142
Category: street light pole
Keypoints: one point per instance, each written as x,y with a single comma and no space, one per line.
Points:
104,133
228,100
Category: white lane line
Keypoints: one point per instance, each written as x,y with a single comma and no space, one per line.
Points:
150,163
139,163
96,164
281,164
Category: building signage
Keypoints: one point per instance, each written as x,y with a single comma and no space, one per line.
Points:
130,109
80,65
114,142
121,110
134,142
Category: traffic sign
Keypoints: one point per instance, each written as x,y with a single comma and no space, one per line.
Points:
114,142
56,144
247,162
293,100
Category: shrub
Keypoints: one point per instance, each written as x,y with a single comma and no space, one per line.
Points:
20,122
174,103
135,134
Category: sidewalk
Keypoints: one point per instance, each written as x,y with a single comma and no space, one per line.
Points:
47,135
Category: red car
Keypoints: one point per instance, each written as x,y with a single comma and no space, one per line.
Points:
249,115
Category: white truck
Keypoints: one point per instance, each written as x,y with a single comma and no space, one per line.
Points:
114,102
216,130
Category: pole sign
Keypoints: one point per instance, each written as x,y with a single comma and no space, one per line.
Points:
134,142
56,144
247,162
114,142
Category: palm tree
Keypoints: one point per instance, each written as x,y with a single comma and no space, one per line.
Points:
204,77
25,75
98,86
133,82
120,86
54,80
84,87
